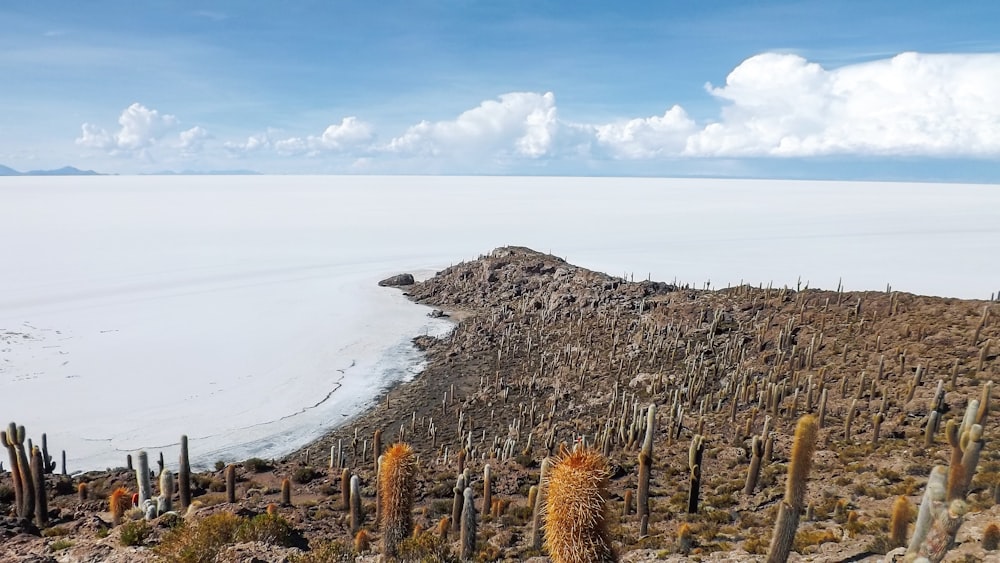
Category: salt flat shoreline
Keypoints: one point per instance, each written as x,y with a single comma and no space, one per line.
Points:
421,394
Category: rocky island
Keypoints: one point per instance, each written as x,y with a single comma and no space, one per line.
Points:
689,424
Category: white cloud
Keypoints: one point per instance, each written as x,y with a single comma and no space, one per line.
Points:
651,137
254,143
140,128
193,139
772,105
350,134
910,104
517,124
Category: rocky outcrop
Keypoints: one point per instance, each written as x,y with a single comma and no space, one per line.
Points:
397,280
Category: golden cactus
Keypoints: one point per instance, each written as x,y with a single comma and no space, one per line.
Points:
361,541
395,486
803,448
575,502
899,521
119,501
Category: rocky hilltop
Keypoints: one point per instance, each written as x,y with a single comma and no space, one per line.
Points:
547,357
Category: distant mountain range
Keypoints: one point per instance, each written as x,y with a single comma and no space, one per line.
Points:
72,171
64,171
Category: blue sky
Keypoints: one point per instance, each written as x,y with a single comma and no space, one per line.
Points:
882,90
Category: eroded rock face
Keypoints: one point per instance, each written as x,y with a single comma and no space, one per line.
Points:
397,280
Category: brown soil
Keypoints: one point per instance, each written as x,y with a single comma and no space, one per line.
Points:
562,354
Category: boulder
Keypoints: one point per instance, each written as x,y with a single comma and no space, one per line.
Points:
397,280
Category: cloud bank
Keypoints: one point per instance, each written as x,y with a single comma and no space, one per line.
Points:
772,105
140,128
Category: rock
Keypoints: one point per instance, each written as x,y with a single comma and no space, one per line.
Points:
397,280
437,314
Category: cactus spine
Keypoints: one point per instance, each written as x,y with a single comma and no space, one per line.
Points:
645,466
184,474
395,485
803,448
468,527
142,478
575,502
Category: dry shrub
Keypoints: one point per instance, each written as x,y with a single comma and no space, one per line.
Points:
201,541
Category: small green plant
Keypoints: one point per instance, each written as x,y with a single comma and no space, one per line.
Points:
256,465
60,544
332,552
303,475
426,547
135,533
220,465
55,531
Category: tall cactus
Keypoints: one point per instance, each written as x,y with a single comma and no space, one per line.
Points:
753,473
345,489
943,507
395,486
803,448
456,503
165,502
142,478
695,454
48,464
538,518
487,487
645,466
356,514
230,483
184,474
468,526
575,503
15,435
8,441
41,498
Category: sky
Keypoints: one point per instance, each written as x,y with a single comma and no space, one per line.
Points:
887,90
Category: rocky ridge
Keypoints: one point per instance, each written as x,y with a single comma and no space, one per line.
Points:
546,353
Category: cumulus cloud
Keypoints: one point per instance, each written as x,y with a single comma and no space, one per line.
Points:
254,143
140,128
192,140
771,105
650,137
911,104
517,124
350,134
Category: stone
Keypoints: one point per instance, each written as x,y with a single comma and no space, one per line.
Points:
397,280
